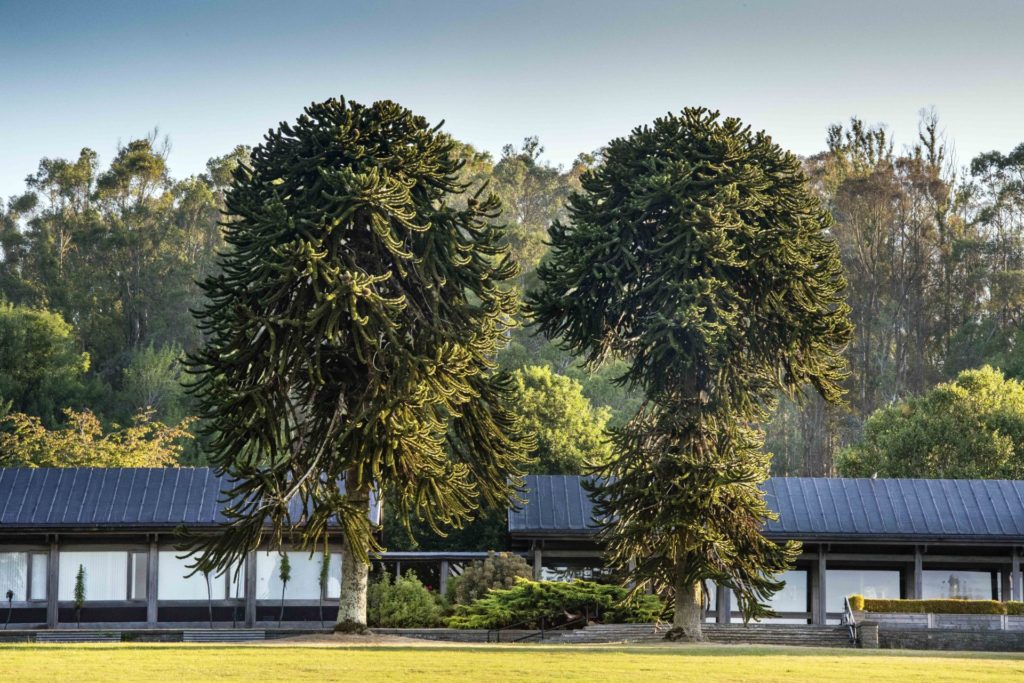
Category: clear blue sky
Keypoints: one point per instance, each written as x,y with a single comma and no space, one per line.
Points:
218,73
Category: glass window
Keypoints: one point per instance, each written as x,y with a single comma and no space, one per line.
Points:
954,583
334,577
106,574
140,567
13,575
793,597
174,582
570,570
40,575
304,583
871,583
236,583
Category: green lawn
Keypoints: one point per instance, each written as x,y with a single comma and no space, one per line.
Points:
506,664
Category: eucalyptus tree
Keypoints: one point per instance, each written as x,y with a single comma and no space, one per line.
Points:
696,252
351,328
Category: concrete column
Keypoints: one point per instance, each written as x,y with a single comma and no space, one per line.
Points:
723,605
152,581
1015,576
918,583
1005,587
538,563
445,573
820,611
52,575
250,590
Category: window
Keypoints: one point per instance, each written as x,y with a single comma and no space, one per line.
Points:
139,576
106,574
304,583
955,583
871,583
793,597
174,582
38,565
569,570
334,577
14,575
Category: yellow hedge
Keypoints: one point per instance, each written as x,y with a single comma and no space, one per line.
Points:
860,603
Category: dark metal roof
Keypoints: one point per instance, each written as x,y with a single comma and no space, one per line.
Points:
111,498
556,505
812,508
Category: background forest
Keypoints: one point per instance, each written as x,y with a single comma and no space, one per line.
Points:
99,263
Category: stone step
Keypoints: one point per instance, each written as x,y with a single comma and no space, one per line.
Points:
77,637
215,636
757,634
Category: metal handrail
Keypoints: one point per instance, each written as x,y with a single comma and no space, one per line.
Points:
849,620
540,632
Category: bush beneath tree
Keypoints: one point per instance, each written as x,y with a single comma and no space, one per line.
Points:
499,570
557,603
402,603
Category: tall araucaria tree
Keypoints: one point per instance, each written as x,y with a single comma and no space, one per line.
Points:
696,252
350,333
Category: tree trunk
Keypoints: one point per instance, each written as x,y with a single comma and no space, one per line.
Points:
354,578
686,618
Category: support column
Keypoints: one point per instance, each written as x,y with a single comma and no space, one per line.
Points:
1015,576
538,563
918,583
1005,584
820,606
52,574
250,590
445,573
152,581
723,605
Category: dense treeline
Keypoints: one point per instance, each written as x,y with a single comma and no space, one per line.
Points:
99,264
933,256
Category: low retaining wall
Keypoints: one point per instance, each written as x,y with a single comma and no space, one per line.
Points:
954,622
945,639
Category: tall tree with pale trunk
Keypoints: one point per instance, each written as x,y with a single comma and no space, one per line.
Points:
350,337
696,252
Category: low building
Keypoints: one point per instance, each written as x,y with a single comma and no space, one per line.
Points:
879,538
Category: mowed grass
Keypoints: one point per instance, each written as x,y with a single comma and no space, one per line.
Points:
507,664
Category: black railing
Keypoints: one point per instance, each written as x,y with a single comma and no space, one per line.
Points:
495,633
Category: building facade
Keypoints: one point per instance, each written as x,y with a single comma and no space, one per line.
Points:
123,528
882,538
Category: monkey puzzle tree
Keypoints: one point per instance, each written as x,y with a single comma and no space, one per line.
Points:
696,253
350,333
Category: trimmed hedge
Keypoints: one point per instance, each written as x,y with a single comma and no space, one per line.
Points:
860,603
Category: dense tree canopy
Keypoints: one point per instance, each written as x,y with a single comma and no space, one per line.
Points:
42,371
26,442
697,254
972,427
570,433
351,332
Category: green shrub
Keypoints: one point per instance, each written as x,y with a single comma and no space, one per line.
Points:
1015,608
499,570
859,602
404,603
556,602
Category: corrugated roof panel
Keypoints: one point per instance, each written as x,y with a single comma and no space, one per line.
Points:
112,498
811,508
